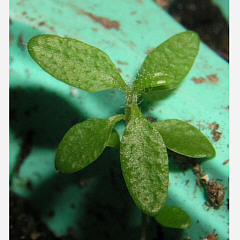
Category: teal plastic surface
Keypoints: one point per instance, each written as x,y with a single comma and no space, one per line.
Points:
95,201
224,6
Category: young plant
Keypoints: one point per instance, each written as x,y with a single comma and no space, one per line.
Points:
143,147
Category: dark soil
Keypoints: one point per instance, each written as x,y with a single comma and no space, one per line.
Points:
25,223
214,191
206,19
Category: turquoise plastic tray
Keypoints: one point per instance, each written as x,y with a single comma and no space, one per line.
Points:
95,203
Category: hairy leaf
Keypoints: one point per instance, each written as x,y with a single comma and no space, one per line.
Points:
83,144
168,64
173,217
185,139
114,140
144,163
75,63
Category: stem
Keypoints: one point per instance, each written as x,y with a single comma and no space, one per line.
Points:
144,226
131,100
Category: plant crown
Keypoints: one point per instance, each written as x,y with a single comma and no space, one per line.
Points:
143,147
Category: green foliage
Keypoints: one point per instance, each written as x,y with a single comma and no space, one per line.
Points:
185,139
83,143
75,63
173,217
168,64
143,153
144,163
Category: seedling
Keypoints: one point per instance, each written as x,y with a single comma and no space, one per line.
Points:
143,147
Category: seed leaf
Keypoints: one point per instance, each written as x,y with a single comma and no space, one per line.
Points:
144,163
114,140
168,64
83,144
75,63
173,217
185,139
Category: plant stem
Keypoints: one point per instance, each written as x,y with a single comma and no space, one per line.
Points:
144,226
131,100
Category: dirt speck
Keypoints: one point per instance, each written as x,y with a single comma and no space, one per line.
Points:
211,236
226,162
21,43
24,13
199,80
214,190
215,194
163,3
149,50
122,63
213,78
209,79
119,69
107,23
41,23
216,135
133,12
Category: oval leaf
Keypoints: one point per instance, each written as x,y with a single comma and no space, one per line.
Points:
173,217
83,144
144,163
75,63
114,140
168,64
185,139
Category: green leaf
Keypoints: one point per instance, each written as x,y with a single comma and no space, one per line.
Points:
114,140
168,64
185,139
173,217
83,143
75,63
144,163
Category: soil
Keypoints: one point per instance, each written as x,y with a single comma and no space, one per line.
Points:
25,223
214,191
206,19
216,135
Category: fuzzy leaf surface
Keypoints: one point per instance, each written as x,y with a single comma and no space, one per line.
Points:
168,64
83,144
173,217
75,63
144,163
185,139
